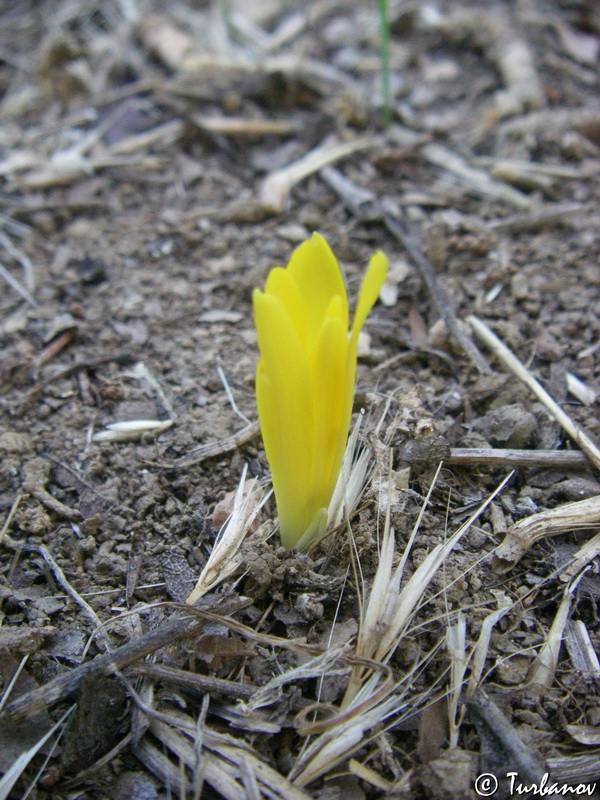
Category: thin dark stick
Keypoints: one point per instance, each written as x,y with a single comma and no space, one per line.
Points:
365,206
190,680
213,449
176,628
440,296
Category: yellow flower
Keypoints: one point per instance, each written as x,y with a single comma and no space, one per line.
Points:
305,379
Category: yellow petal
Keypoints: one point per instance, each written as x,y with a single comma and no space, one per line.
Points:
281,284
316,272
328,376
369,291
285,407
305,380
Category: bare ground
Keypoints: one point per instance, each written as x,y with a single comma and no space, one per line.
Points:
138,151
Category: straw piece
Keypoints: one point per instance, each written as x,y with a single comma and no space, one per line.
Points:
226,556
562,519
544,667
277,185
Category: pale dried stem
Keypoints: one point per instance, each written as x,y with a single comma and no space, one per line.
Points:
225,557
586,553
19,289
226,762
62,580
12,775
581,649
277,185
456,643
24,261
390,607
562,519
492,456
477,179
11,514
541,674
481,648
213,449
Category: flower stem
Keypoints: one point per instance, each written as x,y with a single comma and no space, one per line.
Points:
384,54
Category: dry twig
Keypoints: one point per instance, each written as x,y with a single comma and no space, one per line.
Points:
524,533
517,368
205,451
277,185
492,456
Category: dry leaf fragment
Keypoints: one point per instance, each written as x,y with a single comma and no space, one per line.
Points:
584,734
524,533
131,430
581,649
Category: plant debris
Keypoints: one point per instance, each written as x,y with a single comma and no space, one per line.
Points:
157,160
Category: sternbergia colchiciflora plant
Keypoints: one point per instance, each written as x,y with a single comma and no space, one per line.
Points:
305,379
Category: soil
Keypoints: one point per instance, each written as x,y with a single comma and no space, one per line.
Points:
134,226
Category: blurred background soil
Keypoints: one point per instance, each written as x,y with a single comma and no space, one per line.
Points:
143,195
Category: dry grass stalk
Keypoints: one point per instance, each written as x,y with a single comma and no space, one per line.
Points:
61,579
242,126
12,682
546,216
586,553
11,514
372,697
213,449
508,169
456,643
575,769
566,518
480,651
391,606
13,774
322,664
19,289
497,456
460,660
64,168
21,258
355,472
277,185
388,609
369,775
226,557
543,669
497,732
584,393
581,649
509,359
476,179
338,743
165,134
227,764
